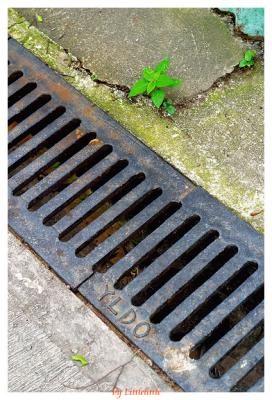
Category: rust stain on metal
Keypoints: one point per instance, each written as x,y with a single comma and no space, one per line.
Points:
60,91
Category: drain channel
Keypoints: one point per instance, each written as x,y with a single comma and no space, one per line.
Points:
173,269
217,297
238,351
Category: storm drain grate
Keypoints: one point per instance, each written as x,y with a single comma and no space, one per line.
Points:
167,264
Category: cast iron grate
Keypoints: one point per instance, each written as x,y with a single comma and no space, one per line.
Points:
167,264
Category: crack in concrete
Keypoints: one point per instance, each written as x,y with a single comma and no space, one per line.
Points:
108,323
122,366
78,65
230,18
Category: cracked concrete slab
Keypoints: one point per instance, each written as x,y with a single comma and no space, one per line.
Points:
116,44
48,324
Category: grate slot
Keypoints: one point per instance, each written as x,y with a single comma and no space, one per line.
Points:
77,157
238,351
41,148
223,327
211,303
36,128
175,267
20,105
111,214
19,94
165,259
241,369
29,109
199,279
18,85
81,185
102,206
258,386
231,339
16,130
153,254
14,76
89,206
69,177
50,156
135,238
84,193
117,222
250,378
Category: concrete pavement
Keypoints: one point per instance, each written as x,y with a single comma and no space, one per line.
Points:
48,324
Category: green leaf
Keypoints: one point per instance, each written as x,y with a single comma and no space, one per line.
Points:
167,103
148,74
170,110
249,54
56,165
71,179
157,97
163,65
139,87
151,86
39,18
243,63
81,359
165,80
176,82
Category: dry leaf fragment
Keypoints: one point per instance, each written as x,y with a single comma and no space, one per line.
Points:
96,141
79,133
254,213
12,125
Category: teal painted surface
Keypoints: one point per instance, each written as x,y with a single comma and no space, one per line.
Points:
249,20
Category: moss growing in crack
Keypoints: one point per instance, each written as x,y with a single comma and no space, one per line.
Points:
38,43
251,82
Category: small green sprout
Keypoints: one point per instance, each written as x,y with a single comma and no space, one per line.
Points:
168,106
81,359
152,83
39,18
248,60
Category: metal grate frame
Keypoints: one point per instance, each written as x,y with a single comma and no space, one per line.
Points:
166,263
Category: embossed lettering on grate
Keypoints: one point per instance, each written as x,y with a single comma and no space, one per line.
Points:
167,264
